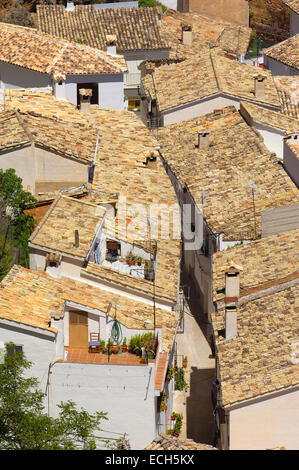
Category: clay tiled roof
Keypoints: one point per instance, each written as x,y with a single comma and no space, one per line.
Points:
292,4
288,92
34,50
206,33
260,264
86,24
31,297
167,442
73,140
286,52
260,359
42,102
56,230
252,112
220,178
178,84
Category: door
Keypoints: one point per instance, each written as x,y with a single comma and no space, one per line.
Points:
78,329
90,86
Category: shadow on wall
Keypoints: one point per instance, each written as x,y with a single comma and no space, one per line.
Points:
199,409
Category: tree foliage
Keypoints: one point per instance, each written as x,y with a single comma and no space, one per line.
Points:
17,14
13,202
24,425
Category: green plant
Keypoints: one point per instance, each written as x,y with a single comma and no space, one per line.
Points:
176,431
179,380
163,402
25,425
170,372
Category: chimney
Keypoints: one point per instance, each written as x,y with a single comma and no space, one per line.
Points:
259,87
111,44
59,86
232,293
186,34
203,139
70,6
151,161
76,244
85,97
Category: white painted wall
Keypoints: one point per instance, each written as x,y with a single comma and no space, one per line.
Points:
125,392
22,161
38,347
53,167
294,23
278,68
12,76
266,424
198,108
273,138
33,164
291,164
111,89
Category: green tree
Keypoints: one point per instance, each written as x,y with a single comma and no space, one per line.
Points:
13,202
151,3
24,425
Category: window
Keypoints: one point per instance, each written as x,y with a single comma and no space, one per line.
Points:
16,348
113,250
134,103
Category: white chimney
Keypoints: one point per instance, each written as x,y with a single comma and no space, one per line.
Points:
85,97
259,87
111,44
203,139
186,34
230,322
232,294
70,6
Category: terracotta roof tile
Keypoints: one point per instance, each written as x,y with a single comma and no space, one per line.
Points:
292,4
267,116
219,178
177,84
84,23
206,33
286,52
32,297
259,359
29,48
166,442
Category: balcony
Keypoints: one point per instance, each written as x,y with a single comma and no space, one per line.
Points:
83,356
132,80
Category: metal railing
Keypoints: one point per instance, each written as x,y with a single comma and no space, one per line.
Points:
132,79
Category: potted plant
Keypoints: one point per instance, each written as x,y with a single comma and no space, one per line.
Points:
177,425
170,373
109,347
119,349
139,260
102,345
124,346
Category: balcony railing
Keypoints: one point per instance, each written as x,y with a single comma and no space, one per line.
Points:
132,79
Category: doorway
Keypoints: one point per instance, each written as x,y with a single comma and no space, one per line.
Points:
90,86
78,329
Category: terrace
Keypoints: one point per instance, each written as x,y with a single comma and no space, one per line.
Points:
141,349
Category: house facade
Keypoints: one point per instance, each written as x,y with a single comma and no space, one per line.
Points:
282,58
256,407
222,82
53,330
293,7
272,126
64,66
137,33
48,154
213,162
